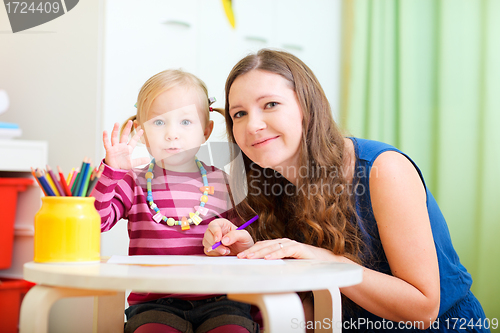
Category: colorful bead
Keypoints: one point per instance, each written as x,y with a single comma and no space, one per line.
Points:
202,210
194,218
208,189
185,224
157,217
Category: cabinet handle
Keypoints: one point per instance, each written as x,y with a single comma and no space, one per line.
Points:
178,23
293,47
23,230
256,39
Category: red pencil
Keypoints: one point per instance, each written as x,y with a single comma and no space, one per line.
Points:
62,181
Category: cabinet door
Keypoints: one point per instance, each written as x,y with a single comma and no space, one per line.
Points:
311,31
142,38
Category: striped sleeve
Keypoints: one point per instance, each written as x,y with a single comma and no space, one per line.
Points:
114,195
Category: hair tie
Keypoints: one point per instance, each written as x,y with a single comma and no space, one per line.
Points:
211,109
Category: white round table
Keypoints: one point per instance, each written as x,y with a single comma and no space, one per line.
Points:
271,287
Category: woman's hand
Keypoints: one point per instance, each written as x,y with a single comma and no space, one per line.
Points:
233,241
119,150
287,248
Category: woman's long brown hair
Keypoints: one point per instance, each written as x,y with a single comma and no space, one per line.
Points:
319,210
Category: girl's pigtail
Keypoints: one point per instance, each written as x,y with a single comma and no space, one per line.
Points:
212,100
133,118
219,110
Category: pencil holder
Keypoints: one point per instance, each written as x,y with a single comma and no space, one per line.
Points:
67,230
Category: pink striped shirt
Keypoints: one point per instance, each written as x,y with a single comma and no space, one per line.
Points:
121,194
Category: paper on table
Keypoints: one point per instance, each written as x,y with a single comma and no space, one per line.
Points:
189,260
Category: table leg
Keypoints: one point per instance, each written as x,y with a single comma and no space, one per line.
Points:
36,305
328,305
281,312
109,313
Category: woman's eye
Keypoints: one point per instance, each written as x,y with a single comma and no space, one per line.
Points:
271,105
239,114
185,122
158,122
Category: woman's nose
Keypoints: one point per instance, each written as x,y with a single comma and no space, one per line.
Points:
255,123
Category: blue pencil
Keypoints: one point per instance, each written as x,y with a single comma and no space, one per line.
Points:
243,226
84,178
45,184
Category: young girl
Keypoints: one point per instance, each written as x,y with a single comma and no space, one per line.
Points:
342,199
170,202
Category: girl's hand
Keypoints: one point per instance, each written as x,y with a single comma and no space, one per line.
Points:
119,151
287,248
233,241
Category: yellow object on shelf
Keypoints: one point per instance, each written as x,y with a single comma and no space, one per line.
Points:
228,9
67,230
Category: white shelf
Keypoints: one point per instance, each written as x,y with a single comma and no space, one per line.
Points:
21,155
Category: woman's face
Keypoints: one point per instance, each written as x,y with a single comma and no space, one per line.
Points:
267,120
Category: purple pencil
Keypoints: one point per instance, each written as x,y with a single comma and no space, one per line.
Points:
243,226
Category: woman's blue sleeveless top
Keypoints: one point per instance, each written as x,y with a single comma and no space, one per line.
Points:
455,281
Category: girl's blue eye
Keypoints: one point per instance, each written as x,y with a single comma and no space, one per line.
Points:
271,105
158,122
185,122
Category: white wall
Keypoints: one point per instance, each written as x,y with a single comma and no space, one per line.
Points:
72,77
52,75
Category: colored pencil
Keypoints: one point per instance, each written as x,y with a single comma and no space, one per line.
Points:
81,176
45,184
62,181
73,178
85,182
38,181
95,180
78,178
51,184
70,177
58,186
243,226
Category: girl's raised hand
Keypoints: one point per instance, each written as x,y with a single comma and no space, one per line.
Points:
119,150
233,241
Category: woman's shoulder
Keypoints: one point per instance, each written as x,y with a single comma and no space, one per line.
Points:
369,150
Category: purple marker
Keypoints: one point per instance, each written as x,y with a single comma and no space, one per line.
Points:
243,226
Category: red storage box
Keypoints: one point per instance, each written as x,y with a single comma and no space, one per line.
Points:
9,188
12,292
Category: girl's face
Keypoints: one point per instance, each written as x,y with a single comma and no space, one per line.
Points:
176,128
267,120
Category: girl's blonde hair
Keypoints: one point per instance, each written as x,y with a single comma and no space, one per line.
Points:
164,81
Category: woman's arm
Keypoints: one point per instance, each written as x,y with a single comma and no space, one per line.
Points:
399,204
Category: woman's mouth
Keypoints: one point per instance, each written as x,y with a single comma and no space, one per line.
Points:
263,142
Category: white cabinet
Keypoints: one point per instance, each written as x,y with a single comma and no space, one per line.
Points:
16,159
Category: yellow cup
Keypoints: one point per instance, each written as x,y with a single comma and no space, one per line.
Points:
67,230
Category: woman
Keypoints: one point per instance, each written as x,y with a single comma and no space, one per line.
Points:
322,196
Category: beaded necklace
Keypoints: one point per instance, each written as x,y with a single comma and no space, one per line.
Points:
194,218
